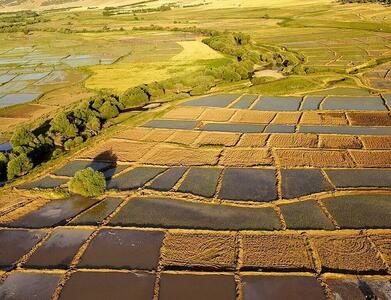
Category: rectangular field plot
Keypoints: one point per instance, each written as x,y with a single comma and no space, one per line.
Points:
213,101
245,102
81,60
353,103
278,104
360,178
360,211
14,99
201,181
98,213
56,212
6,78
168,179
72,167
349,130
44,183
31,76
134,178
168,124
232,127
172,213
246,184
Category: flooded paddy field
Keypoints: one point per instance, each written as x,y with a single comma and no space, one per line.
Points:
276,185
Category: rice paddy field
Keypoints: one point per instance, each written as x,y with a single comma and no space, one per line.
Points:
273,187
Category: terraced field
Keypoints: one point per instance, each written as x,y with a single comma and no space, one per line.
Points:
272,186
227,196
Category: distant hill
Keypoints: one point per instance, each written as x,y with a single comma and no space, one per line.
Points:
13,5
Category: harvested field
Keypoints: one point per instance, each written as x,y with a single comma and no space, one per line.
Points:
339,142
293,140
137,134
121,150
181,156
317,159
369,119
217,114
253,140
287,118
185,113
216,139
318,118
158,135
347,253
183,137
275,252
246,157
372,159
203,250
376,142
254,117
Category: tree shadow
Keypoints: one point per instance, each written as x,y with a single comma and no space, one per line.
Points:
110,157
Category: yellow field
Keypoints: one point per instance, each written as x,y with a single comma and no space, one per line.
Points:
121,76
195,50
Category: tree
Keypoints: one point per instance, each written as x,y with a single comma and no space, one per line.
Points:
108,111
135,96
61,124
3,165
23,137
88,183
18,166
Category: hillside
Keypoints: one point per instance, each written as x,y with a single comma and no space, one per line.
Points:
15,5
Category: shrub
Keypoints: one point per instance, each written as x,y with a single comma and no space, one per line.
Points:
88,183
135,96
18,166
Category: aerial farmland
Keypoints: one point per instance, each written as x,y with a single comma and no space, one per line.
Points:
195,150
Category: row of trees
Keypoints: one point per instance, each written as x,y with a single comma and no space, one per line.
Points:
64,132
